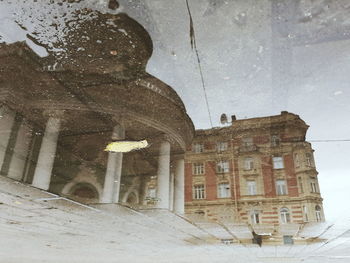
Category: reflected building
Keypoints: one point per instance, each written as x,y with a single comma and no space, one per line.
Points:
258,171
59,112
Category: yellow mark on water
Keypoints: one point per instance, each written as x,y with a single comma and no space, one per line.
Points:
126,146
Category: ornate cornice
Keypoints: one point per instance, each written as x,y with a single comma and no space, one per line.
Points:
171,134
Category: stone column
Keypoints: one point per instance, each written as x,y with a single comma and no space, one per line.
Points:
179,196
46,158
20,152
163,175
171,192
111,187
7,118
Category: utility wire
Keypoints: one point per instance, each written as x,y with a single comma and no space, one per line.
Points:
194,47
335,140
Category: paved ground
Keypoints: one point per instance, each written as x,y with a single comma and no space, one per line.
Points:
37,226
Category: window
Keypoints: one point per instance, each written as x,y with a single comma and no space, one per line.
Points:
313,186
301,187
197,168
254,216
221,146
251,187
223,190
248,163
198,191
296,160
278,162
198,148
281,187
275,140
246,142
309,160
318,213
306,217
285,215
222,167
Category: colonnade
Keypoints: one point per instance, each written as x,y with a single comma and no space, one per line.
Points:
170,191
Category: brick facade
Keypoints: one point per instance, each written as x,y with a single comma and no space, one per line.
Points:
263,176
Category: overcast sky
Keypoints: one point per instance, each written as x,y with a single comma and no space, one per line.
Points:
258,59
251,69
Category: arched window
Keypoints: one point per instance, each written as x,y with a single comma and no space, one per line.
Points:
318,213
285,215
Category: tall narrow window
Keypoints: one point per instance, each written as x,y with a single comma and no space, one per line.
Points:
275,140
318,213
222,167
198,147
248,163
254,216
281,187
223,190
251,187
301,187
199,191
285,215
296,160
221,146
306,217
309,160
278,162
197,168
313,186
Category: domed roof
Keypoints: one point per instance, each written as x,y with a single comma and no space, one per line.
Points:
102,44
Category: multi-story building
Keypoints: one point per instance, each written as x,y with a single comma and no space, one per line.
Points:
257,171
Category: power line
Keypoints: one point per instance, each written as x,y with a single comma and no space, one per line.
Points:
194,46
335,140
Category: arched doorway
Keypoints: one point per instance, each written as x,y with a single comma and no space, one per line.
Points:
132,199
85,193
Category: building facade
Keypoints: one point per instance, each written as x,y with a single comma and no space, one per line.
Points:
258,171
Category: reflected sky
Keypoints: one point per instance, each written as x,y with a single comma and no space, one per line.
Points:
259,58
